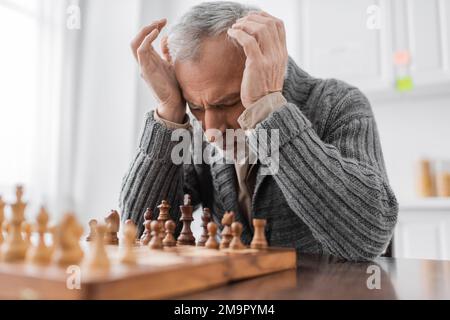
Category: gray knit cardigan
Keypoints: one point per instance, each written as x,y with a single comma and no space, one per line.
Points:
331,194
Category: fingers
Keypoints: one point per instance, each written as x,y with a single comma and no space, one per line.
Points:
267,19
247,42
137,41
146,45
260,31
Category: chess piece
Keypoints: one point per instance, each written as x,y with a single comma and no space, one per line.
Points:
52,230
169,239
227,220
146,235
15,247
259,238
129,221
92,229
163,216
98,258
67,241
112,227
2,218
236,231
26,230
186,237
129,236
156,241
206,218
212,243
41,253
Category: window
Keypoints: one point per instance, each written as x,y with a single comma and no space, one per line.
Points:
19,27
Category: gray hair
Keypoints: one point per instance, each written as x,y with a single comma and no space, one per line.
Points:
208,19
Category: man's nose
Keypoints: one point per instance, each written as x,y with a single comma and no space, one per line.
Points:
215,119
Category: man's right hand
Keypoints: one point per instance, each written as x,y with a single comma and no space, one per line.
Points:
159,73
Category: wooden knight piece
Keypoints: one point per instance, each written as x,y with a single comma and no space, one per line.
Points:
146,235
227,220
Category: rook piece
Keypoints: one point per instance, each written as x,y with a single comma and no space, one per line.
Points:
169,240
41,253
236,231
212,243
259,238
186,237
67,241
129,236
206,218
112,227
227,220
156,241
15,247
98,258
92,230
146,235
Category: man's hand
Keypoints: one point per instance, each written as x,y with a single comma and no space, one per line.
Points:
158,73
263,39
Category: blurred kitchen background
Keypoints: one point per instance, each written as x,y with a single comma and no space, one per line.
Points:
72,101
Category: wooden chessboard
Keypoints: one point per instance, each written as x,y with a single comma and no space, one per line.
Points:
159,274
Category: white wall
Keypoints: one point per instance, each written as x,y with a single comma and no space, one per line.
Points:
410,129
105,139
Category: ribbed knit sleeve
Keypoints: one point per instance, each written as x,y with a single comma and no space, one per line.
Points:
152,175
337,185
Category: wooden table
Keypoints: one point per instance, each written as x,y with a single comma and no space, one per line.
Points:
329,278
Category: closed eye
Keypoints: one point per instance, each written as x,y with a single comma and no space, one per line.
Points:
194,107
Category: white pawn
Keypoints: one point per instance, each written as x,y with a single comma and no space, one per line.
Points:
26,230
66,241
15,247
98,258
129,236
41,253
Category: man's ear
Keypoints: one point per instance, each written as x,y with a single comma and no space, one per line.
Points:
165,50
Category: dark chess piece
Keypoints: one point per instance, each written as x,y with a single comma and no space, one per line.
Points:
227,220
163,216
186,237
206,218
146,235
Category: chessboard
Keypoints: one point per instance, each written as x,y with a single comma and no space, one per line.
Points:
157,275
108,264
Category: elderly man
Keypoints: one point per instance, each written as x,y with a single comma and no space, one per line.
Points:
229,63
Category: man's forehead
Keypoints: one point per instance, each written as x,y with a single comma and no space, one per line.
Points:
215,75
213,97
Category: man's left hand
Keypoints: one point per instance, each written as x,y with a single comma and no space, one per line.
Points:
263,39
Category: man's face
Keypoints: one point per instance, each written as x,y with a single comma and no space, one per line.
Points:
211,85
